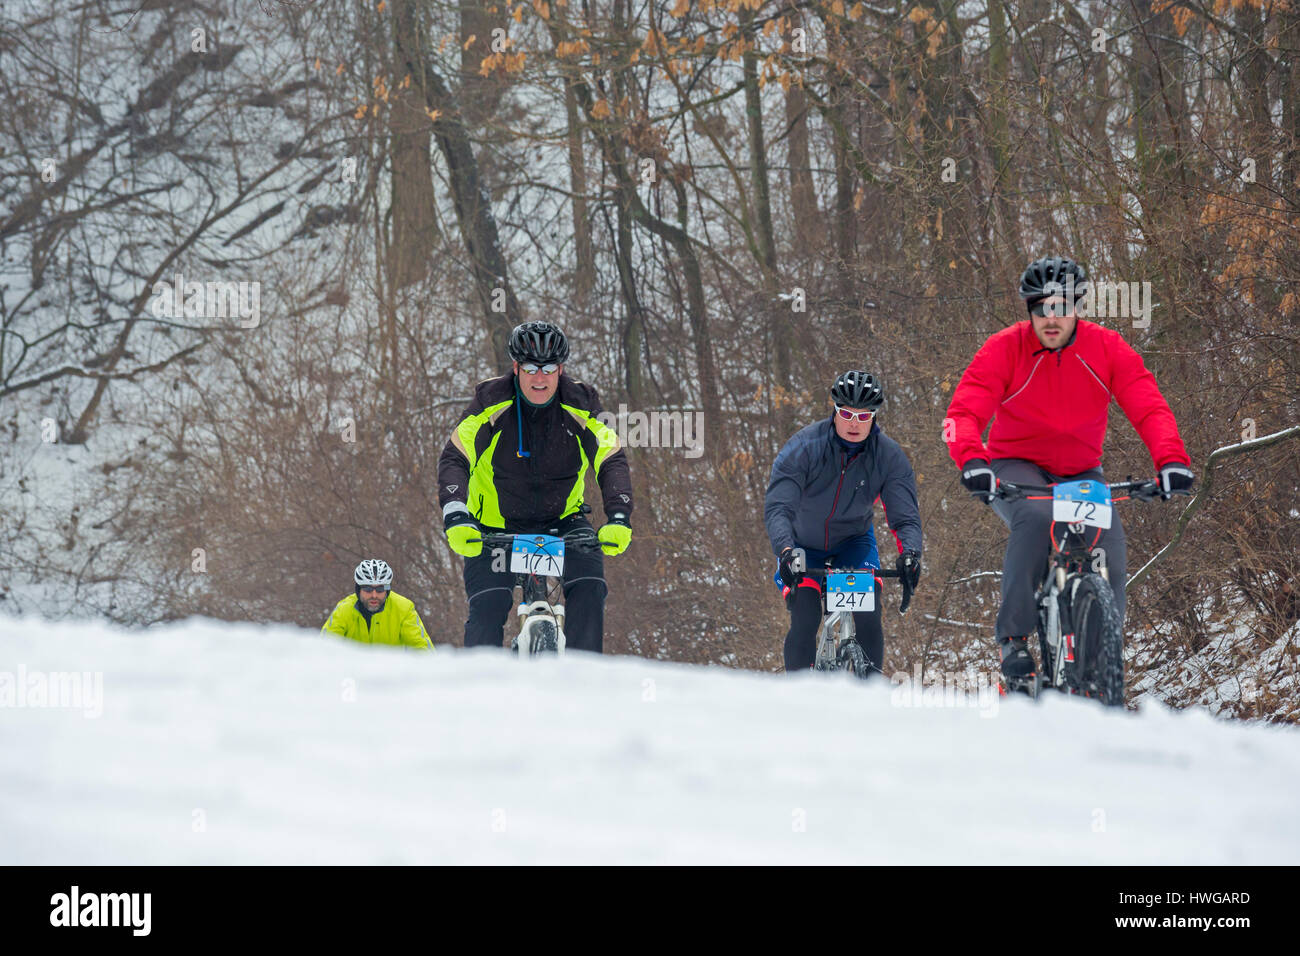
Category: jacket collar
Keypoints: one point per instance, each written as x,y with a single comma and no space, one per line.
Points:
365,611
1043,348
833,438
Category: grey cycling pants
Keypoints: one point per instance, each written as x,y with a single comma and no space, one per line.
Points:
1029,543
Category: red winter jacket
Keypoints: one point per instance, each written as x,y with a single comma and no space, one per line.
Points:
1051,405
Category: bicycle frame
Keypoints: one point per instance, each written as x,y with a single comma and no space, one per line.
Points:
837,627
1070,559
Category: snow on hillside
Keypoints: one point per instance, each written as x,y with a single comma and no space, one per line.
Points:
222,743
1237,672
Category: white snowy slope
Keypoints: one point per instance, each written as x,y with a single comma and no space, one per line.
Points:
224,743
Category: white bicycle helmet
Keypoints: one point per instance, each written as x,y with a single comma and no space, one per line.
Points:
374,573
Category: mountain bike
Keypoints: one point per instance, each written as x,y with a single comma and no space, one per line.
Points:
1080,634
535,559
845,590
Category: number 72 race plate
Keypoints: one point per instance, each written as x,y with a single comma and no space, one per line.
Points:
1082,502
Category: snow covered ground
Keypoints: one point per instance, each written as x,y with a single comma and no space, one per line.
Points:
1233,674
218,743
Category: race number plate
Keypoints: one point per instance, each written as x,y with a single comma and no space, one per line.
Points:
537,554
850,592
1082,502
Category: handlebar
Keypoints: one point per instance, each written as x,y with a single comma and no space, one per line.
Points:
822,572
799,564
580,540
1146,490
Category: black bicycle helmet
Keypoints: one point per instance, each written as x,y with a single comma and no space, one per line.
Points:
539,342
857,389
1049,275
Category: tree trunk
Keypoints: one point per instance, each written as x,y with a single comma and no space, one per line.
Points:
633,319
803,194
779,315
478,227
414,220
584,269
1007,225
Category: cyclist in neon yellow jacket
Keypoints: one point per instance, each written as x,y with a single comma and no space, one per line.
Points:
376,614
517,461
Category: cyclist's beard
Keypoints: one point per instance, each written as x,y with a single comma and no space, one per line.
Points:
365,603
1064,332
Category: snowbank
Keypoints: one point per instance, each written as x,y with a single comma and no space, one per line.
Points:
219,743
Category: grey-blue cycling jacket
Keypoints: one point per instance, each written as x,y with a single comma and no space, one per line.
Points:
820,494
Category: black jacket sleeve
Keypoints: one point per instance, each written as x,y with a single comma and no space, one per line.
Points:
612,472
453,463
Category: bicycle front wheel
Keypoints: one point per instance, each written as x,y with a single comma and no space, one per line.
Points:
1098,640
851,658
544,638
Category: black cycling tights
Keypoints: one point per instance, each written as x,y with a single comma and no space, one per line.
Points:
805,606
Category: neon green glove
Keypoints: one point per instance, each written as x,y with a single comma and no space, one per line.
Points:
463,539
616,535
463,532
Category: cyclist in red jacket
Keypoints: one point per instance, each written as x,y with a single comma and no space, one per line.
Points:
1047,383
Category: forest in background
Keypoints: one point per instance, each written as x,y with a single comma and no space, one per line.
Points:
722,203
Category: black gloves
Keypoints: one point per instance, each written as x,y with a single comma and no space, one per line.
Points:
909,568
1175,479
978,478
786,569
909,572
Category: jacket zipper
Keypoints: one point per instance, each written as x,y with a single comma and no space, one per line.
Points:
1095,377
844,466
1027,381
366,617
533,466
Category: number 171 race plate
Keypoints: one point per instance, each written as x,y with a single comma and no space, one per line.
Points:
537,554
1082,502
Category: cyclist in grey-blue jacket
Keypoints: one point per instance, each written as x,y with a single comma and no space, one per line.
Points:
820,498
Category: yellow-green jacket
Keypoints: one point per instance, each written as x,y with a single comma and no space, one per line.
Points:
397,622
517,465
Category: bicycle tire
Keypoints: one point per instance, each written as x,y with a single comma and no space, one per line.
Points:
545,639
851,658
1098,640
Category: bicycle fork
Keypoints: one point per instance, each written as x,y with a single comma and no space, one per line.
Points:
1049,600
533,614
829,641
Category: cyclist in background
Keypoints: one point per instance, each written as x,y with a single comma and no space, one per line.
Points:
824,483
376,614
